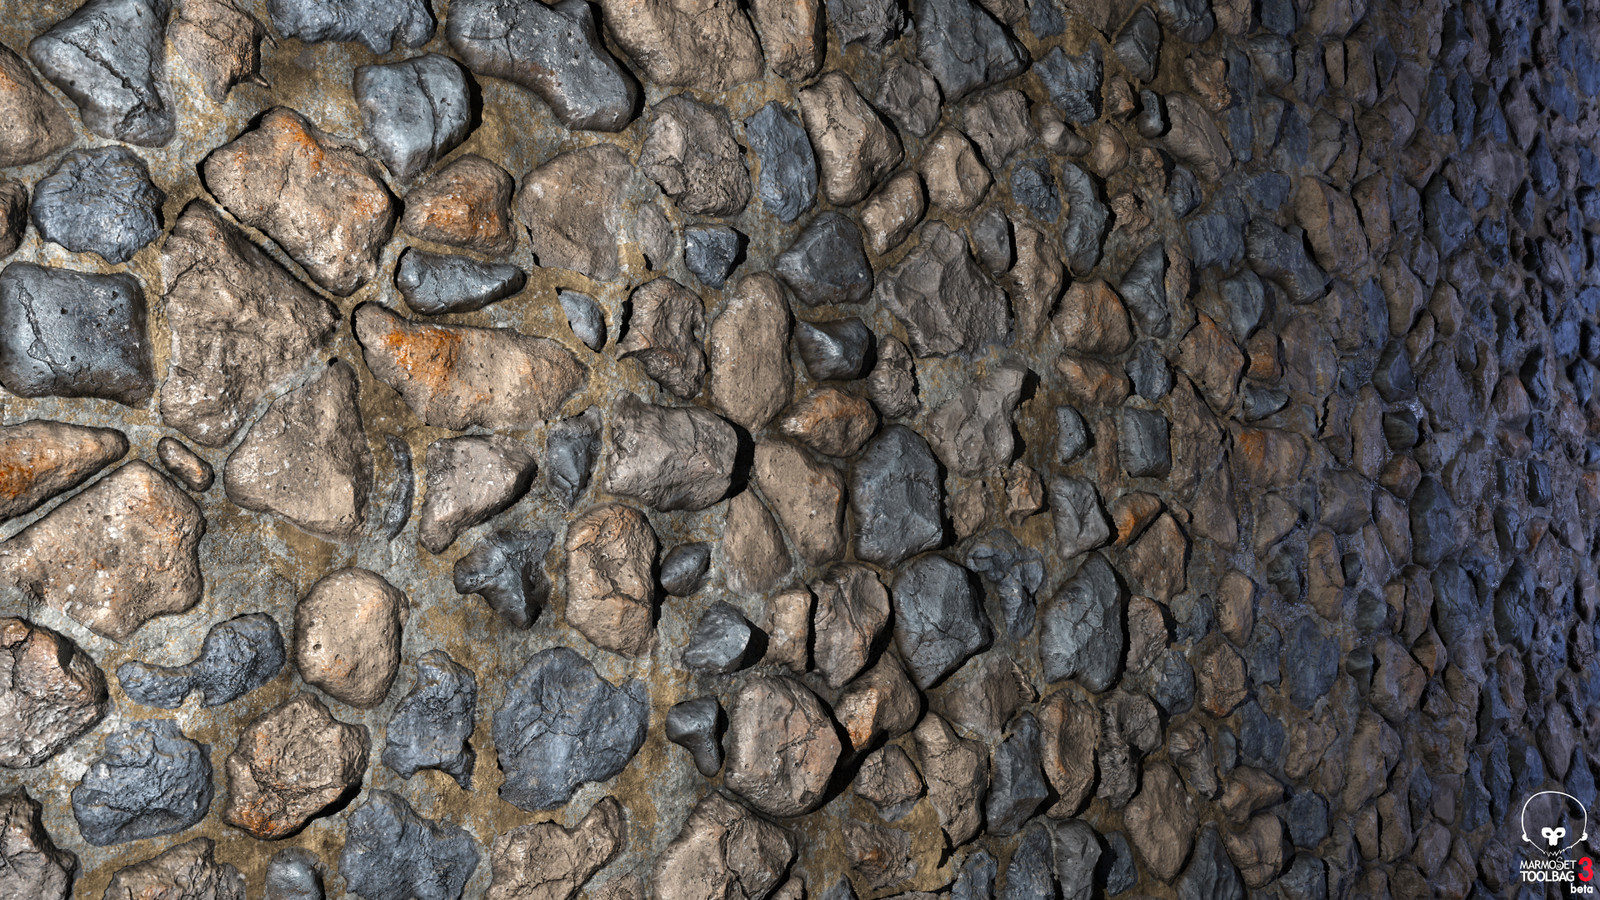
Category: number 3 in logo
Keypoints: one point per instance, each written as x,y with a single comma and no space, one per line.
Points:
1585,869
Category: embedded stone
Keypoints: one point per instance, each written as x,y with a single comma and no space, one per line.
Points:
955,178
109,57
957,777
465,204
1161,820
34,867
781,746
294,874
855,149
40,460
437,283
290,765
185,465
545,861
1018,787
507,570
873,23
835,350
391,853
754,557
881,704
570,448
585,317
1087,216
946,303
723,852
711,252
74,334
720,642
51,692
891,213
892,383
897,497
696,725
347,636
852,608
1091,319
749,376
221,43
826,264
793,36
1017,572
610,588
972,432
707,45
938,622
665,330
414,111
668,457
787,184
572,208
470,480
788,627
1081,633
101,201
830,421
237,657
188,871
1070,738
909,95
432,723
965,48
152,780
689,150
13,212
33,124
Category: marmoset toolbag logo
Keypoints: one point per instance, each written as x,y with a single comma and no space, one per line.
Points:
1553,823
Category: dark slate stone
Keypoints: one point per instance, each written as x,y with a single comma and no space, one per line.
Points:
1117,870
1307,879
1017,572
99,200
1183,192
110,58
938,623
379,24
1210,874
438,283
873,23
1151,122
1244,301
1087,216
414,111
431,725
684,568
834,351
151,781
1259,402
1077,849
1143,442
1073,82
1045,19
1433,517
788,182
965,48
506,569
722,641
1191,19
1448,224
397,506
1072,434
1261,737
1308,819
1281,256
1312,663
391,853
1216,240
1174,683
1017,786
696,725
1144,290
827,264
1138,44
73,334
585,318
1263,654
1081,634
294,873
897,496
991,238
1029,874
1034,187
711,252
1149,372
1080,521
570,449
237,657
978,873
562,725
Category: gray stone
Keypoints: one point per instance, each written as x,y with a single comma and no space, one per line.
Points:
1018,788
507,570
938,622
73,334
852,608
1144,444
1138,44
151,781
414,112
1030,873
1073,82
897,496
294,873
33,866
432,723
391,853
1017,572
1080,521
438,283
1081,632
397,507
965,48
1077,859
787,184
562,725
109,57
347,631
585,318
991,238
669,458
947,304
665,330
782,747
1144,290
976,879
827,264
237,657
1210,874
188,871
892,383
721,641
834,350
908,94
1433,528
696,725
873,23
99,200
470,480
684,567
689,150
1281,256
1312,663
1072,434
711,252
972,432
1087,216
570,448
378,24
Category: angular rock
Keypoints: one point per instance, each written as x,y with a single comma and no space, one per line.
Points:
99,200
721,641
723,852
572,208
991,239
544,861
787,184
471,480
830,422
73,334
1018,786
465,204
570,448
432,723
948,306
664,334
938,622
897,497
826,264
788,628
888,779
185,872
892,384
955,178
908,94
459,376
793,36
855,149
40,460
414,112
750,378
151,781
669,458
1070,737
1143,443
121,552
870,22
807,496
553,50
347,636
1192,136
1074,82
689,150
610,591
51,692
1161,820
711,252
34,867
109,57
965,48
1091,320
1080,521
237,657
707,45
1017,573
754,556
972,432
1081,632
221,43
391,853
437,283
891,213
1281,256
852,608
782,747
1084,233
294,874
879,855
562,725
378,24
312,193
697,725
956,775
880,705
290,765
507,570
834,350
1210,873
35,124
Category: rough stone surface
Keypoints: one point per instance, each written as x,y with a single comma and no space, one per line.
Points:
787,184
807,496
36,125
723,851
665,332
152,780
697,726
294,874
897,497
467,204
109,57
74,334
221,43
668,457
957,777
855,149
413,112
852,608
188,871
826,264
507,570
610,591
378,24
470,480
290,765
1081,630
690,151
544,861
40,460
391,853
52,693
34,866
938,622
347,636
707,45
965,48
749,377
720,642
432,723
99,201
947,304
237,657
572,208
435,283
972,432
782,747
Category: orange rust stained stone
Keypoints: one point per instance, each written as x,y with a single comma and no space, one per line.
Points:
40,459
290,765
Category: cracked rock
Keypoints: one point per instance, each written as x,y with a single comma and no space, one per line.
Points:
873,23
553,50
1071,734
696,725
237,657
972,432
507,570
1092,320
1018,787
852,608
51,692
1087,216
109,57
807,496
562,725
470,480
413,112
347,636
221,43
831,422
307,459
432,723
689,150
957,777
892,384
897,496
33,124
290,765
378,24
466,204
1081,631
721,641
572,208
855,149
947,304
33,866
121,552
723,852
99,200
610,589
151,781
955,178
965,48
545,861
781,746
570,449
787,184
312,193
1161,821
240,323
793,36
880,705
750,378
908,94
668,457
888,779
73,334
938,622
707,45
437,283
40,460
188,871
1017,573
664,335
711,252
459,376
391,853
294,874
826,264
